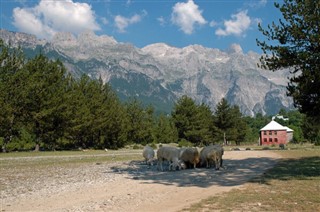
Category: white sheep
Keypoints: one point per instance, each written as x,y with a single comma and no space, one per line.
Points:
148,154
211,154
190,156
171,154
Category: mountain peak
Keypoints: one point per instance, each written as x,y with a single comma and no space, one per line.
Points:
85,38
158,49
89,35
235,49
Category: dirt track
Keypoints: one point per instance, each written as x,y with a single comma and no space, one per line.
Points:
131,186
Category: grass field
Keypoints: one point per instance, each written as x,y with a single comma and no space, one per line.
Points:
293,185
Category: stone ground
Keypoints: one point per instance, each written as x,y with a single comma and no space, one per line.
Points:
126,186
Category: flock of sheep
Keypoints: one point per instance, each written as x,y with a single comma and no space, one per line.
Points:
182,158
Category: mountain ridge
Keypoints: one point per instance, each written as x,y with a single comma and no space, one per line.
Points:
159,74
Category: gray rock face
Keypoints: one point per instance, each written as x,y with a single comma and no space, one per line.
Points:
159,74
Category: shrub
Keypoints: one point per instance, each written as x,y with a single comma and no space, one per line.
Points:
185,143
153,146
137,146
281,146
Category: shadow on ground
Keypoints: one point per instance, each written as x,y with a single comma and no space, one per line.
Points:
292,169
235,172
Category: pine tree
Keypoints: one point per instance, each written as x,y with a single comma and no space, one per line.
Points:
141,122
44,103
193,122
229,122
12,93
294,43
165,131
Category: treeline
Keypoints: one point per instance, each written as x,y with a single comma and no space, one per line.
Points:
43,106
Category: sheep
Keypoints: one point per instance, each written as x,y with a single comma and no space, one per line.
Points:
170,154
220,151
211,154
190,156
148,154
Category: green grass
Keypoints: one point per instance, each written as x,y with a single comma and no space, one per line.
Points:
292,185
68,158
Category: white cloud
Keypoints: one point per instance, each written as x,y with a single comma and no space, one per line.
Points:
162,21
49,17
258,4
213,24
186,15
238,25
104,21
122,22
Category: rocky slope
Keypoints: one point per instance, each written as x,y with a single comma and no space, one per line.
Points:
158,74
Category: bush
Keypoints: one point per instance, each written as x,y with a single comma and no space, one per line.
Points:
281,146
137,146
153,145
185,143
23,142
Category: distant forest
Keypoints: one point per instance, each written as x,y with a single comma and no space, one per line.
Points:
43,107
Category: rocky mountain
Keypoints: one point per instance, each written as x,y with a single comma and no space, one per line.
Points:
159,74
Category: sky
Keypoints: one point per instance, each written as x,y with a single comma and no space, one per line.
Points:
210,23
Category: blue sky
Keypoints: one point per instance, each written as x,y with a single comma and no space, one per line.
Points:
210,23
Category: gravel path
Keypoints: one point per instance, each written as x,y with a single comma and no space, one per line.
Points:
125,186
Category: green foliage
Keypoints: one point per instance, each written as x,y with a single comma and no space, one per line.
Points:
137,146
141,122
311,130
295,44
165,130
230,123
11,95
44,102
23,142
185,143
153,145
193,122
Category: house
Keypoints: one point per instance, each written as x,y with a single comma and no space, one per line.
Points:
275,133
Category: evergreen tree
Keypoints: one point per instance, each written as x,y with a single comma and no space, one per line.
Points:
141,122
230,123
111,121
184,116
165,131
204,126
12,92
193,122
254,125
80,111
294,43
44,103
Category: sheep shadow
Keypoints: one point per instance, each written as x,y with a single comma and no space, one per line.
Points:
235,172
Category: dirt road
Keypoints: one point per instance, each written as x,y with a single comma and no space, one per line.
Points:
130,186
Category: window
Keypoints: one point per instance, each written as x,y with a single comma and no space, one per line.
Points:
265,140
270,139
270,132
275,139
265,132
275,132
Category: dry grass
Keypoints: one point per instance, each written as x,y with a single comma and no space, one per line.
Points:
293,185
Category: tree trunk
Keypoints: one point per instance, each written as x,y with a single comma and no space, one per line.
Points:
4,149
37,148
